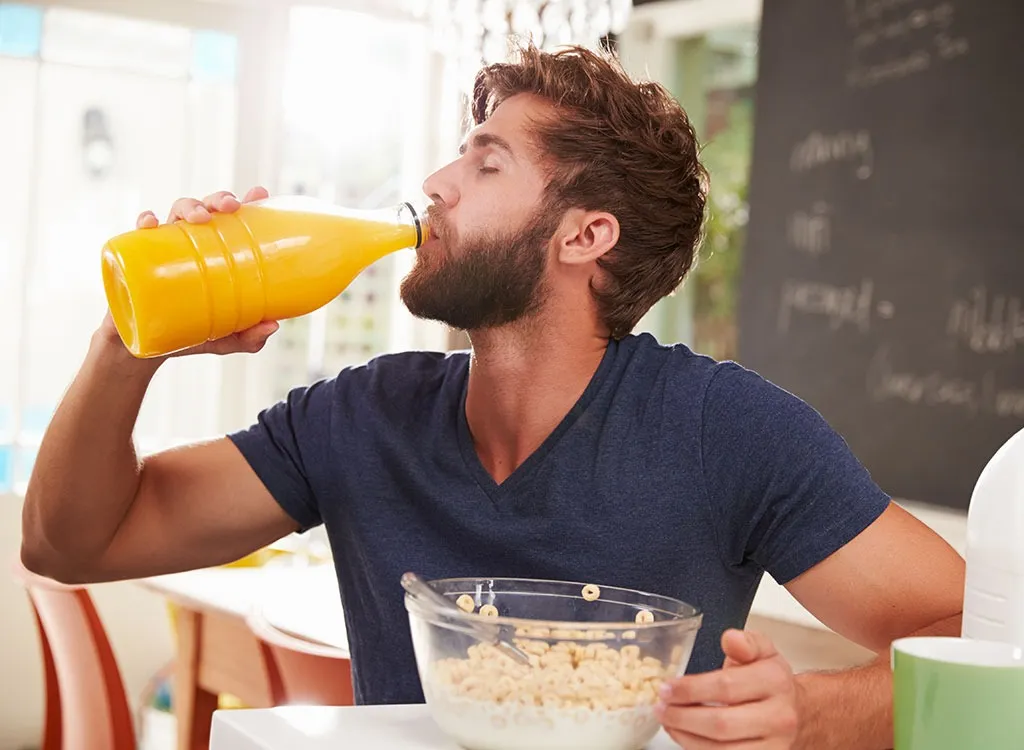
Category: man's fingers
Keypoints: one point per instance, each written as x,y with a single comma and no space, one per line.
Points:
741,684
223,201
190,210
254,338
146,220
250,340
745,722
257,193
689,741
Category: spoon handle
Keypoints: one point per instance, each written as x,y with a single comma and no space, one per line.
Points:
419,588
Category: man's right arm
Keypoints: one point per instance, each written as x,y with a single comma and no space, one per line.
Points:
95,512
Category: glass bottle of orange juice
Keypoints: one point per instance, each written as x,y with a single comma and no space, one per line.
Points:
179,285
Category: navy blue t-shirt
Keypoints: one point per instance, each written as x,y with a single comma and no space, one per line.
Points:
673,474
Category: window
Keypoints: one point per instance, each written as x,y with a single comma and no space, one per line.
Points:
705,53
108,115
102,110
348,111
725,63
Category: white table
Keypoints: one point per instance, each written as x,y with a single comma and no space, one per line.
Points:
354,728
302,600
217,652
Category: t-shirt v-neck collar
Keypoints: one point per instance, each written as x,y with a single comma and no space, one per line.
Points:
526,469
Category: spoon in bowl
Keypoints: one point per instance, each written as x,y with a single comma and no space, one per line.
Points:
420,589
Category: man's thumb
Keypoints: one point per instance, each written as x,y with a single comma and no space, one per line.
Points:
745,646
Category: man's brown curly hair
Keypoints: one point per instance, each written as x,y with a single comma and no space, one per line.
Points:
619,146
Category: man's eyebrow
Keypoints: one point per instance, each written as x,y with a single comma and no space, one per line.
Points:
483,140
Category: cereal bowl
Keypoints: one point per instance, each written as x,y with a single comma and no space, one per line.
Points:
597,658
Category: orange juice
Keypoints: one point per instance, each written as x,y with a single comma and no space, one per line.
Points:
178,285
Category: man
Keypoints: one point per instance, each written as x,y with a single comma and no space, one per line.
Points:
561,447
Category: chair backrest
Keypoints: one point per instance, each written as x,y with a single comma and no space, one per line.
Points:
94,712
300,671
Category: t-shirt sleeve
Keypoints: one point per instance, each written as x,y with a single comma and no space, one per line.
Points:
785,488
285,446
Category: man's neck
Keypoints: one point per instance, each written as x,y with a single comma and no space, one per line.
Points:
522,383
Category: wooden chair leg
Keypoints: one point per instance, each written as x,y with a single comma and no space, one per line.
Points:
52,735
193,705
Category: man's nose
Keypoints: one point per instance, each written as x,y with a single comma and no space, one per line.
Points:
441,187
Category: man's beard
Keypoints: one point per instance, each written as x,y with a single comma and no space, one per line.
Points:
488,280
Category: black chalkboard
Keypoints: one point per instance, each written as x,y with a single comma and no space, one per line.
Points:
883,276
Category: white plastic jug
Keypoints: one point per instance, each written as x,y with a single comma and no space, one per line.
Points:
994,594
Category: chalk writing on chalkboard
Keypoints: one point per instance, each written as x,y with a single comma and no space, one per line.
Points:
811,231
970,396
885,381
852,306
882,279
988,323
846,147
894,39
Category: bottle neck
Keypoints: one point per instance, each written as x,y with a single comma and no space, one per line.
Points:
417,218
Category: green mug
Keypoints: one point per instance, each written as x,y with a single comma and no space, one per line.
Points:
957,694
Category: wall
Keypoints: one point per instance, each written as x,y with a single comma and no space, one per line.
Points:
136,621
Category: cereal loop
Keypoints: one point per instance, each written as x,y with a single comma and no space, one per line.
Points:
591,592
577,678
465,603
489,610
644,617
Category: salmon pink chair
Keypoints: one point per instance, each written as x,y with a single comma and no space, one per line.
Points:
86,707
300,671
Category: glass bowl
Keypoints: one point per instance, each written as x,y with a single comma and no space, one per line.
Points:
595,663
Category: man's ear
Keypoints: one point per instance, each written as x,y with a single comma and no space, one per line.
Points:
586,235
